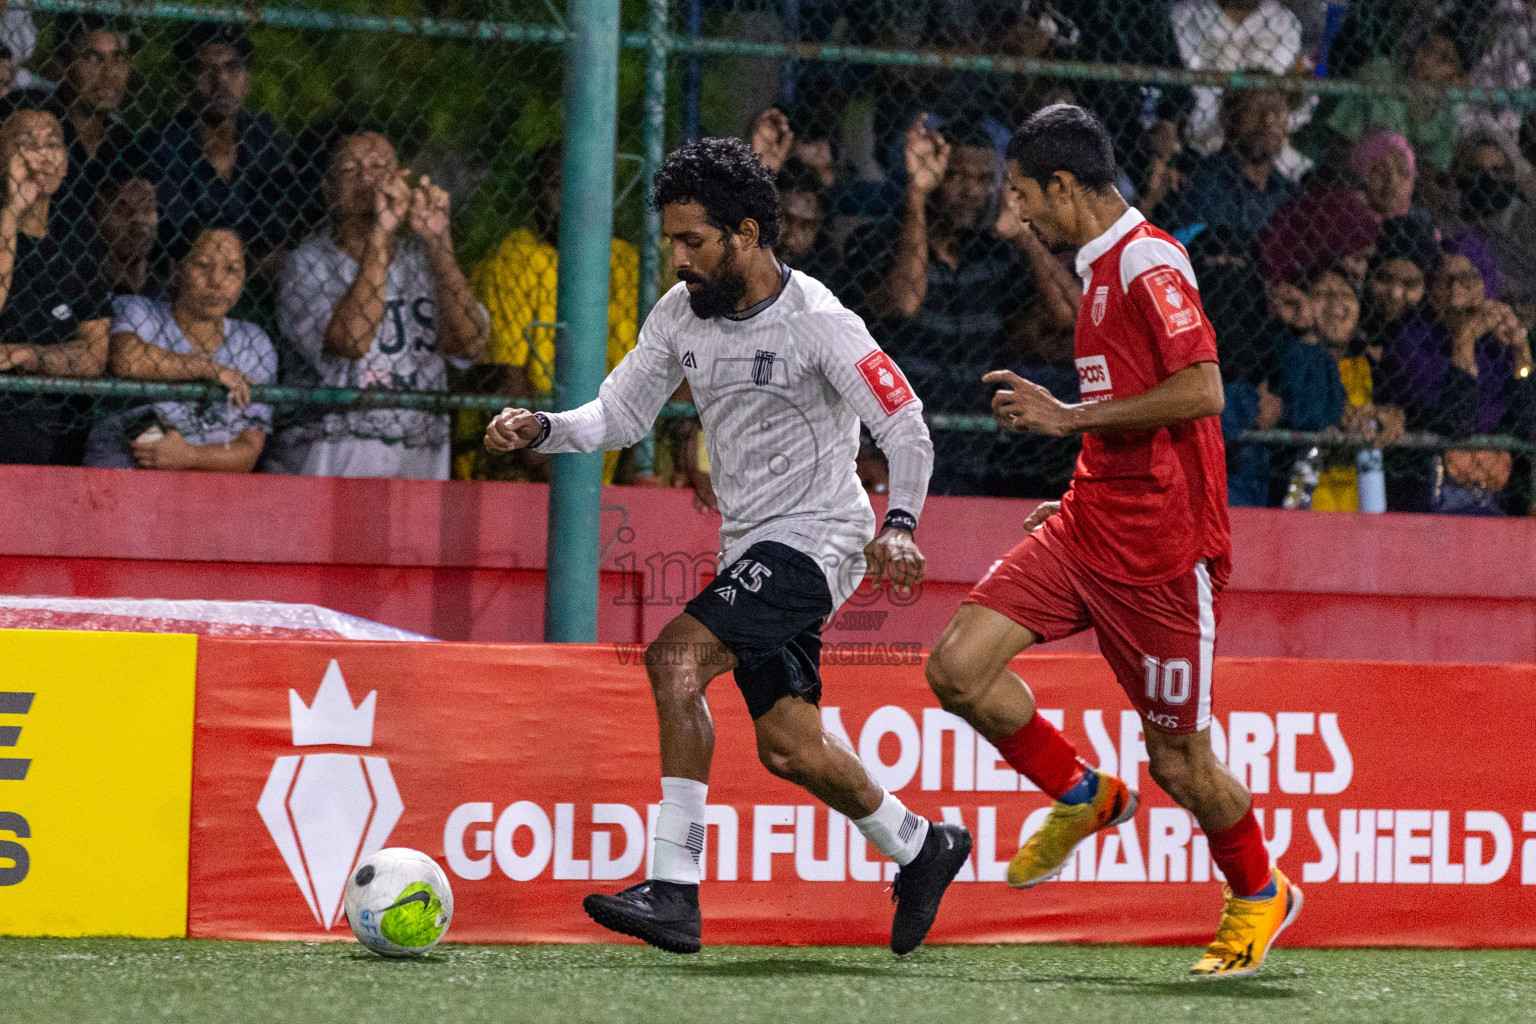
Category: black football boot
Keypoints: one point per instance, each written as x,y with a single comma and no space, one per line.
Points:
665,914
920,885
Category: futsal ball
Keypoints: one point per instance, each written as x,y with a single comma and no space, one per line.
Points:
398,902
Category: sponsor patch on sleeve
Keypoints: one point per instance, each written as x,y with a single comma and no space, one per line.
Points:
885,380
1178,309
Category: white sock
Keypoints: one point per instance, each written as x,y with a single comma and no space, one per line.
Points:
679,831
893,830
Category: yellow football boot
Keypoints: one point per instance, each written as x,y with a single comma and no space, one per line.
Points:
1045,854
1248,929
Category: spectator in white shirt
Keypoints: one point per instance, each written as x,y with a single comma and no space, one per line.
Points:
1239,35
366,308
1505,64
18,31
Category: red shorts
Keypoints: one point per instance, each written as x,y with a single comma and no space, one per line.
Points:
1159,639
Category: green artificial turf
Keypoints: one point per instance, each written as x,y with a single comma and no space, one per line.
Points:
84,981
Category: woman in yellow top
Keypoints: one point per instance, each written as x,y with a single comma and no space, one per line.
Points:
517,284
1337,312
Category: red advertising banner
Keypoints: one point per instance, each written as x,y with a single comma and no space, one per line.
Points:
1400,797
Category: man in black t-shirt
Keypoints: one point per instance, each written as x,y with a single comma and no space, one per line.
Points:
54,305
96,56
952,292
217,162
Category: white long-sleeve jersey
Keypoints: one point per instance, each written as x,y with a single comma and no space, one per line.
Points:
780,395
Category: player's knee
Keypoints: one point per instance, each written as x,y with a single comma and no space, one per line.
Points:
784,757
671,681
953,680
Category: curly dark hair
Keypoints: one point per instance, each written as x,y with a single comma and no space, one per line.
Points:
727,179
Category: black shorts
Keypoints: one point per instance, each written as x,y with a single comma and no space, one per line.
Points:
767,608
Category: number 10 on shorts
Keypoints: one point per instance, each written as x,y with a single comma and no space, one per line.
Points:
1173,675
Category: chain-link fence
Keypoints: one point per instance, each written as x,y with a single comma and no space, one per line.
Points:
1354,183
328,238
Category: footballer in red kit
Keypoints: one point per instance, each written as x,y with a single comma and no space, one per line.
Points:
1138,549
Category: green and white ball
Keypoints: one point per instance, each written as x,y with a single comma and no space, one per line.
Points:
398,902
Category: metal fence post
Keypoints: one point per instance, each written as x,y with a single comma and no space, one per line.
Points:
586,226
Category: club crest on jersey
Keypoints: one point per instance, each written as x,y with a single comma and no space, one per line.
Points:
1093,382
762,368
1100,303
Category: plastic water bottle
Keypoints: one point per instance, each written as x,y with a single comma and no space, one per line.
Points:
1373,482
1303,482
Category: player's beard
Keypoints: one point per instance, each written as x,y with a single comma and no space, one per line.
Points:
720,293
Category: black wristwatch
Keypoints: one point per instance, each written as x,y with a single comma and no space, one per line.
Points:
901,519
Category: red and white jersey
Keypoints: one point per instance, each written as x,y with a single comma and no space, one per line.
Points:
1145,505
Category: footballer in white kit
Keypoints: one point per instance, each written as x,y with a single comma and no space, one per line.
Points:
782,375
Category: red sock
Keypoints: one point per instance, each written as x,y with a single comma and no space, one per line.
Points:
1240,853
1041,754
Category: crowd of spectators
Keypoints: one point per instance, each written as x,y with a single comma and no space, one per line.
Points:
124,250
1368,258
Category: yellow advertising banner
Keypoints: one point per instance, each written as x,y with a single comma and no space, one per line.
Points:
95,782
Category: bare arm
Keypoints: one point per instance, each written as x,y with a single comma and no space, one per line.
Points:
461,327
175,452
360,311
901,294
1058,285
772,138
84,356
22,190
134,358
8,218
1193,393
19,359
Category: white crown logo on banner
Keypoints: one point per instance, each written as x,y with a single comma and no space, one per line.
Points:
331,718
328,811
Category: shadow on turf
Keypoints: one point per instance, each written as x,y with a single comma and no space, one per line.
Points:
424,960
1236,988
776,967
779,967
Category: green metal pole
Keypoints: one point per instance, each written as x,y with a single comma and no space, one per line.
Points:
586,226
